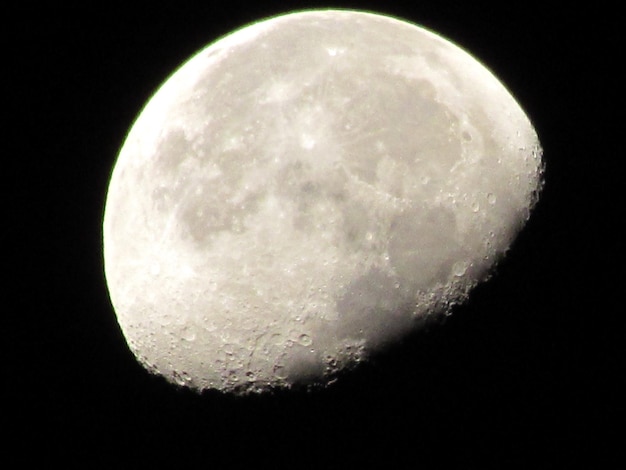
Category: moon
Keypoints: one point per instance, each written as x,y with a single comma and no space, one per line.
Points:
307,190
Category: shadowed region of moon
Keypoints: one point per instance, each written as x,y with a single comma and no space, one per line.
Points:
307,190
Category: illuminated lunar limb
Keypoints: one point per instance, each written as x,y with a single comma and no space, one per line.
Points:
306,190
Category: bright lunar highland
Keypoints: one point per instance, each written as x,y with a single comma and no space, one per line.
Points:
306,190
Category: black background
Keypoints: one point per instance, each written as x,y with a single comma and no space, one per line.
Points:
530,371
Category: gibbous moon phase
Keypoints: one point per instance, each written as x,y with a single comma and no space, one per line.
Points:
307,190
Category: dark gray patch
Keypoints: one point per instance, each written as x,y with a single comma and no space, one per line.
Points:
304,365
373,308
355,225
422,246
173,149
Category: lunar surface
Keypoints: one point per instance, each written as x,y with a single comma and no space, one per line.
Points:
305,191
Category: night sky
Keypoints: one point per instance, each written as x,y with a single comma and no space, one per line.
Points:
531,371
